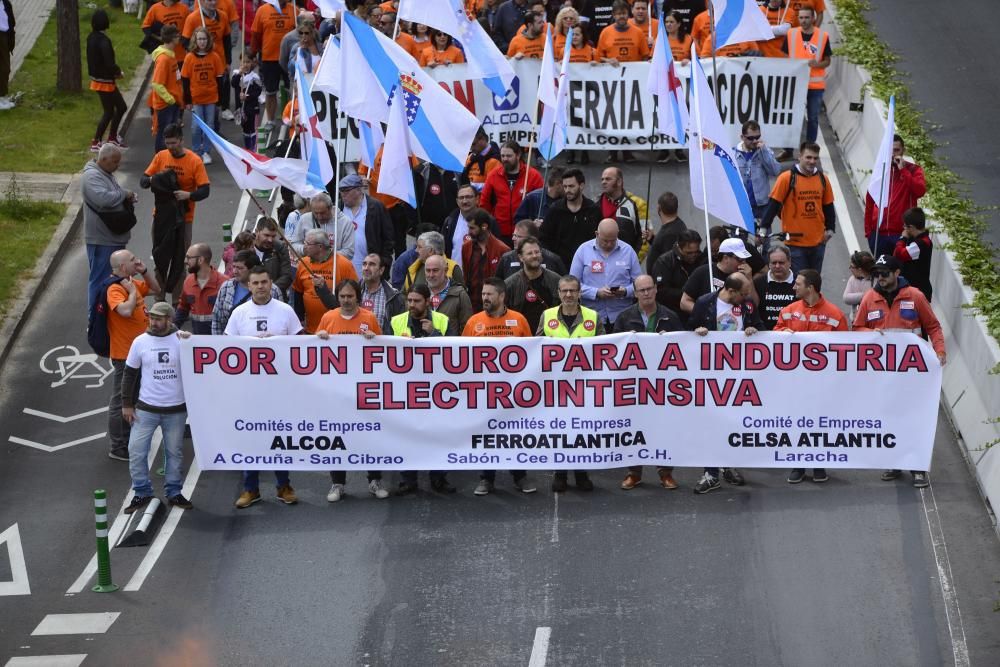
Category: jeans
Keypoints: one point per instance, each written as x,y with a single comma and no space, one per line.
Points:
165,116
99,259
206,112
119,430
807,257
172,427
340,476
251,479
886,244
814,99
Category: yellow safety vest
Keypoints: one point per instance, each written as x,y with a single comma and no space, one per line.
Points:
401,323
554,327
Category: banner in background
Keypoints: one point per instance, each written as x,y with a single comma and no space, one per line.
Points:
770,400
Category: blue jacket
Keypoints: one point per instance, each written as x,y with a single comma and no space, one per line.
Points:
759,169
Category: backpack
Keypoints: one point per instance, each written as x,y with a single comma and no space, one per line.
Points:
97,321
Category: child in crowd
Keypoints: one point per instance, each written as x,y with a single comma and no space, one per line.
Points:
246,80
243,241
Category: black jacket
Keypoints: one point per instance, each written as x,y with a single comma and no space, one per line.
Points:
671,274
101,65
564,231
703,314
664,240
915,255
630,319
278,266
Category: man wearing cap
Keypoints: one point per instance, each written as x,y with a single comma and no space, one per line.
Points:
892,304
153,396
731,258
372,225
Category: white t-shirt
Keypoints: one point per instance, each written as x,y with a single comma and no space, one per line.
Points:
728,317
159,360
274,318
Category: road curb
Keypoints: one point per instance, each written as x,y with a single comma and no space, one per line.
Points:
58,245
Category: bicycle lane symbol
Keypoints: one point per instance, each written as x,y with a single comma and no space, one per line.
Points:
67,363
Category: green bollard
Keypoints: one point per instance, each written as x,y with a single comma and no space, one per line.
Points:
227,232
104,584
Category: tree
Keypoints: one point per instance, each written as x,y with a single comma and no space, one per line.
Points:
68,62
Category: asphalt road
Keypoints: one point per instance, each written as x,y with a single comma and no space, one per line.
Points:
950,84
853,572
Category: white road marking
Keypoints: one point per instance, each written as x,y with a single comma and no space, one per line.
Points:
74,660
956,628
54,448
18,584
555,519
844,225
76,624
540,648
165,532
117,527
64,420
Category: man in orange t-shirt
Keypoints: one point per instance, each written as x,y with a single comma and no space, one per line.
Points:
269,27
530,42
622,42
127,320
164,13
314,281
498,321
191,175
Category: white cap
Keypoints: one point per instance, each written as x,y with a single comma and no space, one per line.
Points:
734,247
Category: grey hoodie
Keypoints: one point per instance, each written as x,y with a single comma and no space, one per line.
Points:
102,192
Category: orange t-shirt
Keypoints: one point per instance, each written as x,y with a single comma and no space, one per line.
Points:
190,171
701,29
333,322
625,46
452,55
584,54
705,49
772,48
218,27
646,27
174,15
511,323
227,6
165,73
203,73
795,5
802,210
272,25
303,284
124,330
405,40
680,50
531,48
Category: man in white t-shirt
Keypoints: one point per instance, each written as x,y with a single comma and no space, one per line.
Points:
153,366
263,316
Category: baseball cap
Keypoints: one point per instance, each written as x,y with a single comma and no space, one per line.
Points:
162,309
734,247
887,263
350,181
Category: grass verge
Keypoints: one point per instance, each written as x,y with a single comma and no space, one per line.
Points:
953,209
26,228
50,131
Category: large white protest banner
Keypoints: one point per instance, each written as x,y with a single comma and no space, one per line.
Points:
770,400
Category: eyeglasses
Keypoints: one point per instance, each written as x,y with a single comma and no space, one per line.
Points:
748,137
881,274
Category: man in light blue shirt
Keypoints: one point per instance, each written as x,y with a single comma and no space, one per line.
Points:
606,268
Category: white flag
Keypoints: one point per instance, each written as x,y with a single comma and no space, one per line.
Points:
878,186
553,132
395,175
740,21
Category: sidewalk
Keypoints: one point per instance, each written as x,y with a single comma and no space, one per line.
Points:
37,187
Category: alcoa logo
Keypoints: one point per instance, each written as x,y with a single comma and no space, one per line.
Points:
511,100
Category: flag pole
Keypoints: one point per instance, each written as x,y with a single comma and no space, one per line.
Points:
883,215
701,163
715,67
284,238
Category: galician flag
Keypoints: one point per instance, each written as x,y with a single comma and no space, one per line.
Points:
253,171
878,186
326,78
671,108
313,147
372,139
481,53
373,68
327,8
395,176
716,186
553,132
740,21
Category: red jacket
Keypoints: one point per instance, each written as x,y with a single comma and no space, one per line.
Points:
501,200
906,186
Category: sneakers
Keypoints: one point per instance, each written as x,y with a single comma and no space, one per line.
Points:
733,476
95,146
890,475
336,493
681,156
206,158
376,489
247,498
707,483
667,481
286,494
180,501
524,484
119,142
226,115
441,485
819,475
796,476
118,454
138,502
920,480
583,482
484,488
559,484
406,488
630,482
